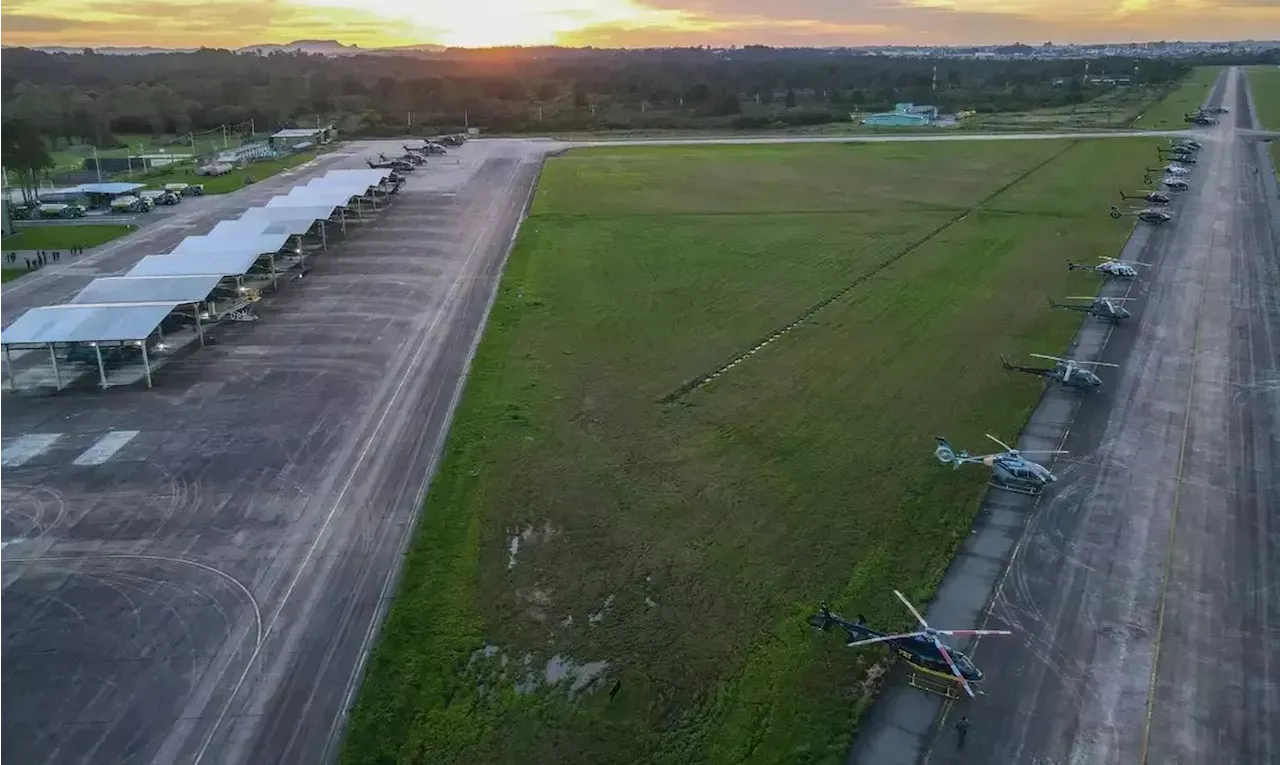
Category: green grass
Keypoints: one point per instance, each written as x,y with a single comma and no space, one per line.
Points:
1117,108
223,184
62,237
1264,84
9,274
72,157
1170,112
713,525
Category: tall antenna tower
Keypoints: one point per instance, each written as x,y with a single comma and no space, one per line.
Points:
935,78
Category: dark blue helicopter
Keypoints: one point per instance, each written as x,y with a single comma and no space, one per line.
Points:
922,649
1010,470
1069,372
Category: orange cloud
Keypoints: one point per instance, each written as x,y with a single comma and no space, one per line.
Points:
627,23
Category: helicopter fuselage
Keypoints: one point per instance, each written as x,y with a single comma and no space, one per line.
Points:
919,652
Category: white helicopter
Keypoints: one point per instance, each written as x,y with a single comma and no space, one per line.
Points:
1105,308
1111,268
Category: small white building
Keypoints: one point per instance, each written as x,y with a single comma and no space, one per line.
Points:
285,140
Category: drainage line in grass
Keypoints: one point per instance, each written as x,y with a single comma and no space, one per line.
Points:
698,382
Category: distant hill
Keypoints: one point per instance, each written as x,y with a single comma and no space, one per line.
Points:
109,51
322,47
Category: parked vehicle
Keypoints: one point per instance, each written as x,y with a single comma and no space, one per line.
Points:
61,211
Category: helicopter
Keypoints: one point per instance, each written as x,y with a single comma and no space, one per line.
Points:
1175,183
1105,308
1068,372
1169,170
410,158
1111,268
1011,470
1214,110
1153,197
922,649
1146,215
399,166
1186,144
1200,118
1180,157
428,148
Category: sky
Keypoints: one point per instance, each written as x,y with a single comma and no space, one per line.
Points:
628,23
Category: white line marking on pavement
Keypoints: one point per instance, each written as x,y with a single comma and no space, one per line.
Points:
106,447
27,448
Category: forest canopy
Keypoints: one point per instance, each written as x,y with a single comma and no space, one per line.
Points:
89,97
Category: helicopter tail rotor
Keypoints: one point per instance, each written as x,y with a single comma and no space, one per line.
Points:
1115,212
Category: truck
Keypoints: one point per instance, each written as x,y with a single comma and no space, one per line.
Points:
61,211
161,196
185,189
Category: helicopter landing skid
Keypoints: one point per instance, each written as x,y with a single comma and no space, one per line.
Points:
1030,491
927,684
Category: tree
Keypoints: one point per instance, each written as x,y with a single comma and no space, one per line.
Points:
24,152
790,103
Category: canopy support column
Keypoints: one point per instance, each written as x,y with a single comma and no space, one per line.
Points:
146,363
102,369
57,373
199,326
271,260
324,239
13,377
342,218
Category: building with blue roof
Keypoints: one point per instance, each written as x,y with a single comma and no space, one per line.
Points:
904,115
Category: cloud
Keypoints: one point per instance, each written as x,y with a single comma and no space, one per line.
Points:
192,23
372,23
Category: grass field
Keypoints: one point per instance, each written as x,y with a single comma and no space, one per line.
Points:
224,183
582,531
1264,84
55,237
1117,108
9,274
73,157
1170,112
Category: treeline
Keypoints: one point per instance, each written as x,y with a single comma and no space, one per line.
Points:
92,97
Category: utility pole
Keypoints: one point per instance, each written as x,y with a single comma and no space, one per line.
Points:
224,136
540,112
251,130
97,164
410,123
466,119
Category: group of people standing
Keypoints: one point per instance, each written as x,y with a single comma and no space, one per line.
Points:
42,257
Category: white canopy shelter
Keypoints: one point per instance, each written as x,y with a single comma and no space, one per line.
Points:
232,242
154,289
221,265
96,323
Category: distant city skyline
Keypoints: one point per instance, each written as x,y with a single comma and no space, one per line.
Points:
632,23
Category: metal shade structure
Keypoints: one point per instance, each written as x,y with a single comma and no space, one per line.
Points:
291,220
237,241
149,289
87,323
196,264
93,323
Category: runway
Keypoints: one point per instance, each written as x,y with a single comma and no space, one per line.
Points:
1143,591
194,573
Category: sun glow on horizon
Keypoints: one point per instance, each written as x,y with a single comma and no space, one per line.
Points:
491,23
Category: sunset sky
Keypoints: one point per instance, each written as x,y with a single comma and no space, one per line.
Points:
629,23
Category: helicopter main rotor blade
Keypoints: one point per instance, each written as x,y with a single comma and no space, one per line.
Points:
912,608
1045,451
954,670
883,639
1003,445
961,633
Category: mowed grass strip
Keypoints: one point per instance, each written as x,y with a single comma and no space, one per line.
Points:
1171,111
684,544
55,236
1264,85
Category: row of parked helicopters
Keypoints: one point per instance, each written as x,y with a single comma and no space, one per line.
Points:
1179,160
1012,470
416,155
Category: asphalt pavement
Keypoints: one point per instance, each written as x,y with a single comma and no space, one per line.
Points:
1143,587
194,573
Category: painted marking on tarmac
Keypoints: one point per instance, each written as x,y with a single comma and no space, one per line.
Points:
24,449
106,447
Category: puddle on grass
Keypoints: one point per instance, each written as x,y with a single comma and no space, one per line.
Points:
526,535
564,673
598,616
